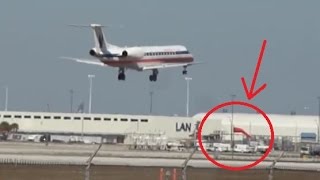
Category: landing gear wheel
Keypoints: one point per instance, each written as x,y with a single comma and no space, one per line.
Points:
121,76
184,72
153,77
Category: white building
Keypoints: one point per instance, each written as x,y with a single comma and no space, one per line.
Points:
108,125
255,124
172,127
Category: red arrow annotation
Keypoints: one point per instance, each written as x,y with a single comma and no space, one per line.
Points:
252,93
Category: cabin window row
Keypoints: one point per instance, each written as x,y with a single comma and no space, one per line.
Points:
159,53
74,118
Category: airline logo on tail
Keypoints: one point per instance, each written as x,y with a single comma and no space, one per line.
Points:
100,38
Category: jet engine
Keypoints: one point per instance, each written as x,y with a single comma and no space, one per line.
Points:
133,52
93,52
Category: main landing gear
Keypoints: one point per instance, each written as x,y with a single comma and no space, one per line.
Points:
153,76
121,75
184,72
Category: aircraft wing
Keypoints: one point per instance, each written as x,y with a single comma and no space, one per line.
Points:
86,61
169,65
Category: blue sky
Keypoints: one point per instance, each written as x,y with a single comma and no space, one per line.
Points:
225,34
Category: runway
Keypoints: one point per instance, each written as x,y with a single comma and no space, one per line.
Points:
36,161
34,172
111,155
143,162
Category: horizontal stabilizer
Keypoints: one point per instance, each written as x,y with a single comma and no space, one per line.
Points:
95,25
86,26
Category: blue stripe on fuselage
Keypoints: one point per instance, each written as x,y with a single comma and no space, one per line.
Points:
159,53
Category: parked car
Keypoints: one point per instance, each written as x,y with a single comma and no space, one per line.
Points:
261,148
312,150
243,148
175,146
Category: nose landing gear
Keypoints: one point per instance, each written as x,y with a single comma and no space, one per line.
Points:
153,76
121,75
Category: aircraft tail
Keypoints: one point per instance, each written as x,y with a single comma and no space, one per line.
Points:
100,43
99,38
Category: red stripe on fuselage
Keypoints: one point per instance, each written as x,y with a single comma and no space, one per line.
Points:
153,60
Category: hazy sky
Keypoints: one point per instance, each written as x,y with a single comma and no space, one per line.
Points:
225,34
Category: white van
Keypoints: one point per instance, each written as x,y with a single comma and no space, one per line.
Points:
34,138
222,147
243,148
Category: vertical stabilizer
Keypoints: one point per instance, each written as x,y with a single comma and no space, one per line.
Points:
99,39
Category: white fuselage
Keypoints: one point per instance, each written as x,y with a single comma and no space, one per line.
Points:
143,56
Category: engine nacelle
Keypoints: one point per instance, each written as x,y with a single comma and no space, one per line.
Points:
133,52
93,52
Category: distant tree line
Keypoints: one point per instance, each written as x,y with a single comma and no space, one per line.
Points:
6,128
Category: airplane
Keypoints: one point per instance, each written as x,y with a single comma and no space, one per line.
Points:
139,58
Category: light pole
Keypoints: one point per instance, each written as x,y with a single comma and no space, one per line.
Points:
82,126
48,107
231,126
90,76
6,101
151,101
71,100
188,79
319,119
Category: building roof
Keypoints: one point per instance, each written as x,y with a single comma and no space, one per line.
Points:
277,120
